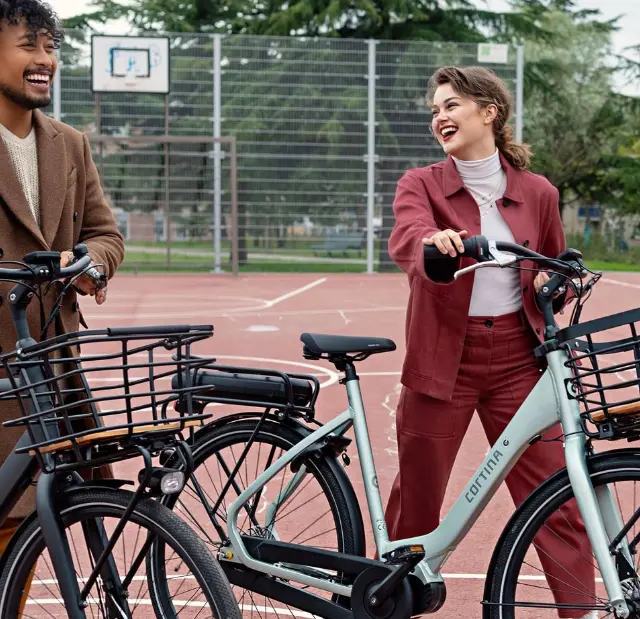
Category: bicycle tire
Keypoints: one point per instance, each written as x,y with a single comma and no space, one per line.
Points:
329,474
519,532
81,505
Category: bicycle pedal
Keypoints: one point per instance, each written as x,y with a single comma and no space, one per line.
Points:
405,554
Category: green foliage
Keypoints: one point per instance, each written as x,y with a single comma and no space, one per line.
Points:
576,123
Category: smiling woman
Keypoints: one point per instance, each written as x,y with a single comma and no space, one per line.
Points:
470,342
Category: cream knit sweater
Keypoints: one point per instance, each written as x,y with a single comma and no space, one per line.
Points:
24,155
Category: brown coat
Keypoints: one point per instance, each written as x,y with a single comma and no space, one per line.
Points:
72,210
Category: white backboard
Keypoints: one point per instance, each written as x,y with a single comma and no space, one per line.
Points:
496,53
130,64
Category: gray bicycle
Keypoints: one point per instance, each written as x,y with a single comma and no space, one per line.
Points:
589,391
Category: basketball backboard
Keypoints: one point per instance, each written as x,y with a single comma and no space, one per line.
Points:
130,64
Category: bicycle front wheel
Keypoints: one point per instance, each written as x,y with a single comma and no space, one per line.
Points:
544,566
196,587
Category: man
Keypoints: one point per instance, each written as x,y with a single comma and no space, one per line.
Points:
50,193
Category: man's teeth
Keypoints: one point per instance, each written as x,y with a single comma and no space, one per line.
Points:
37,77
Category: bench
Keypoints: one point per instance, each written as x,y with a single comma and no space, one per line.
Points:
341,241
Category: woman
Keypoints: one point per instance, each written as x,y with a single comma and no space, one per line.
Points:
470,342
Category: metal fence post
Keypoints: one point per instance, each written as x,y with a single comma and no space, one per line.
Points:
57,95
519,92
217,155
371,153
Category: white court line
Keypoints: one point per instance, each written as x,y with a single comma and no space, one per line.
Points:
239,312
220,312
333,377
295,292
445,576
379,374
619,282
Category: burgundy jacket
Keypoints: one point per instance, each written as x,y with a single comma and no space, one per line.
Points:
434,198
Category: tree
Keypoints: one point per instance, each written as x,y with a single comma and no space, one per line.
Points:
574,121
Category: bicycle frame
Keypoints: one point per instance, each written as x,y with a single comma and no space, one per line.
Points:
547,404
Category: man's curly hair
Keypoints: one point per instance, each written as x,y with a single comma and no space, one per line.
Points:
37,16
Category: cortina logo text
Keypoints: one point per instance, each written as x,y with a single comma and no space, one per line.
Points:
483,476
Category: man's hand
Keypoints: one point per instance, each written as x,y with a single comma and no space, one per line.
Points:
85,282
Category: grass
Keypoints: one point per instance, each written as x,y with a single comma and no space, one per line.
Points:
605,265
597,257
142,262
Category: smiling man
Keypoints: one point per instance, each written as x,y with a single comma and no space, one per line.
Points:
50,193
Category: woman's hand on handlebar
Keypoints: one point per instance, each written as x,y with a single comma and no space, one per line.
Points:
448,241
540,280
85,283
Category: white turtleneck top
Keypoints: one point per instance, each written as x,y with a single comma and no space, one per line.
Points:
495,291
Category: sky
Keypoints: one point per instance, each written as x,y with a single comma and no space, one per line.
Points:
628,35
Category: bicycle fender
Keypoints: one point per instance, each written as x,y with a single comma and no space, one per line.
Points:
331,451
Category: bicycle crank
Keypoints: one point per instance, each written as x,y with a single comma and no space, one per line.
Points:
398,605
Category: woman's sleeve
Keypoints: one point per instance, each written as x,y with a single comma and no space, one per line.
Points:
414,221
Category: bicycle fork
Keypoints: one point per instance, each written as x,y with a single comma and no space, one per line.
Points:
592,506
56,542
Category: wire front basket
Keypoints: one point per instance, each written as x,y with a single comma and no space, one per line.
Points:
86,396
605,374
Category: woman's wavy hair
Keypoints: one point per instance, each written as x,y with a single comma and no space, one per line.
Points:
485,88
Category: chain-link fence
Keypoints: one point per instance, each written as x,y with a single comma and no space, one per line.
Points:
324,129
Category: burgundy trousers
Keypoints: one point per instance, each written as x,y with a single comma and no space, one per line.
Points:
497,372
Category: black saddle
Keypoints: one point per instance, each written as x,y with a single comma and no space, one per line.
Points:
340,346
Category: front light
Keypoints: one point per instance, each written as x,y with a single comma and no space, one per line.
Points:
172,482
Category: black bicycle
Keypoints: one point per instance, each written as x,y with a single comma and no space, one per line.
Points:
81,551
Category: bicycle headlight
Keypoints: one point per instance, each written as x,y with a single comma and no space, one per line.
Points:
172,482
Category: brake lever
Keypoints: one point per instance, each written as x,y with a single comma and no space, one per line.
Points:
498,260
99,278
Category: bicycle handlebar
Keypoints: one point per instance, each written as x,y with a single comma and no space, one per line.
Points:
45,266
487,253
482,250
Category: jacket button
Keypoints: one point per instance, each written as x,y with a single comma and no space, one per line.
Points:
538,330
1,252
76,306
1,301
75,215
526,243
506,202
488,324
525,289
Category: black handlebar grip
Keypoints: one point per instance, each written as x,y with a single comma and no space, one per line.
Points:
475,247
80,250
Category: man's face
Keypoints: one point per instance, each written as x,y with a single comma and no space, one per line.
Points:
27,67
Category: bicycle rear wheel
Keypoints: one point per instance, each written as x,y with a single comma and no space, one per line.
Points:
200,589
322,511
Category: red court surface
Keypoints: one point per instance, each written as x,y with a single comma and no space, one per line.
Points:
258,320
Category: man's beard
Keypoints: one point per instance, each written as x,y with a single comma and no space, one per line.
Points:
22,100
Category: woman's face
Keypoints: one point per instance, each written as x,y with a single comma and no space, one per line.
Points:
463,128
